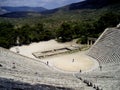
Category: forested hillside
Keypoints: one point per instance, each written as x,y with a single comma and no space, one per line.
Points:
64,24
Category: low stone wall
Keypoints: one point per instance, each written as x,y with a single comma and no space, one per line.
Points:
43,54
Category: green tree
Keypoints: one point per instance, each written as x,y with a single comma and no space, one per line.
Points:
109,19
65,32
7,35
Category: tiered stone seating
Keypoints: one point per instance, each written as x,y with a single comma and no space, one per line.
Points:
107,47
32,71
106,80
106,51
10,84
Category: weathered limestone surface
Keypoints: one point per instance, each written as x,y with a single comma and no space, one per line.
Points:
107,47
106,51
26,70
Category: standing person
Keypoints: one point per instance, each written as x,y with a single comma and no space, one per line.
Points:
18,44
17,50
13,65
80,70
73,60
100,68
47,62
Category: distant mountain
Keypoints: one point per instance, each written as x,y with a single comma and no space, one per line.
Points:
2,11
23,9
87,4
92,4
82,9
21,14
17,12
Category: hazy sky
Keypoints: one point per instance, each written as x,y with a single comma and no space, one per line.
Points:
42,3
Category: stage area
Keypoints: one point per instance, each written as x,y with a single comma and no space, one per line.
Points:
72,62
75,62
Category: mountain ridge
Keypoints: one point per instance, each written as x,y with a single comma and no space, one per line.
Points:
87,4
80,6
10,9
